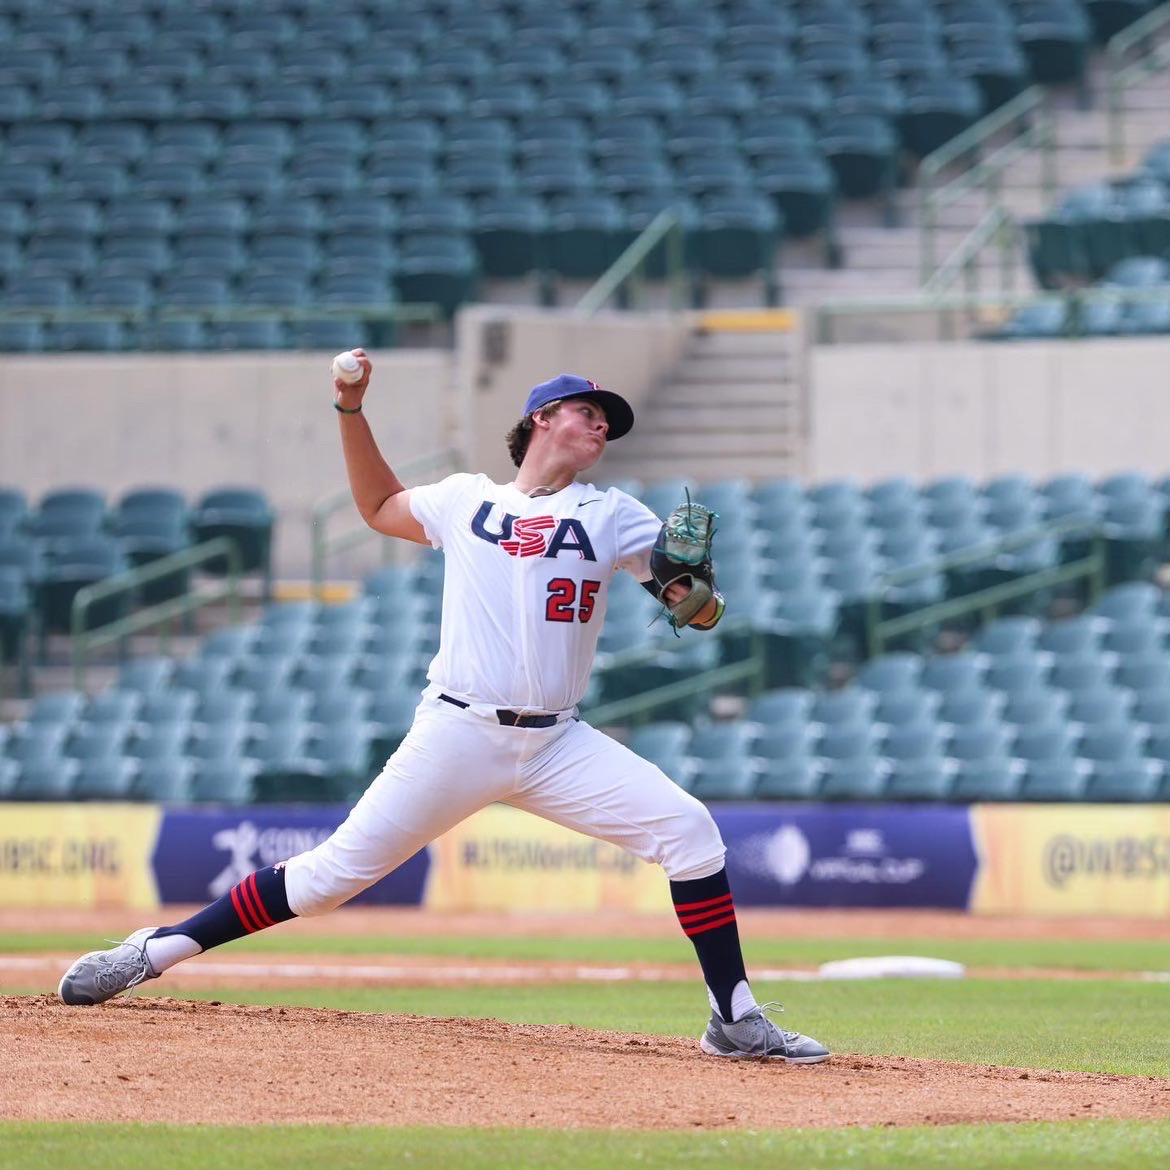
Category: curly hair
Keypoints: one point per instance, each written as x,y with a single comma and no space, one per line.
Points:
520,435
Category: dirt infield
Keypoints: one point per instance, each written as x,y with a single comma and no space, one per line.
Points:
162,1059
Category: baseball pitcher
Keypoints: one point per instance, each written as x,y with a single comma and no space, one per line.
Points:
528,570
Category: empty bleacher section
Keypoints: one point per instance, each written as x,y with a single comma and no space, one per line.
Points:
1110,239
999,700
226,176
55,545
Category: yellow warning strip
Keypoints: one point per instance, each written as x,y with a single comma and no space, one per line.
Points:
331,592
748,321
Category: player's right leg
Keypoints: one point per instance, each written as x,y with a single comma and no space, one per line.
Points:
442,772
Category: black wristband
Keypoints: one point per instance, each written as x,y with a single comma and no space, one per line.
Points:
346,410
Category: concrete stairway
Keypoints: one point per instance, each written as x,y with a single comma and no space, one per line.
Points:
733,406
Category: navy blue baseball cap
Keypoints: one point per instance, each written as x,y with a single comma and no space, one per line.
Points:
618,412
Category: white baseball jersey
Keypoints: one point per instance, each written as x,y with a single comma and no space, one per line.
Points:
526,585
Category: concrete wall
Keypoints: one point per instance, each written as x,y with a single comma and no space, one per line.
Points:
981,409
194,422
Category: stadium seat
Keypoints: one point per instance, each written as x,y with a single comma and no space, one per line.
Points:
45,779
72,564
1051,781
896,670
862,149
9,776
984,781
937,109
1120,781
583,234
792,778
241,514
1114,743
926,779
959,671
736,236
1102,705
104,779
858,779
1033,703
437,269
723,779
227,780
1056,40
1144,672
1052,742
781,706
16,616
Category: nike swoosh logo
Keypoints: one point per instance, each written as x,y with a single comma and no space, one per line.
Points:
592,501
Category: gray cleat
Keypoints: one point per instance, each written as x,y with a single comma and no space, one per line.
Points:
101,975
755,1037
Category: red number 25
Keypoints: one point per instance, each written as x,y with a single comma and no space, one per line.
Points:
562,596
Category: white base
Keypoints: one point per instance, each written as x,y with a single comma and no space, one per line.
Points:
892,967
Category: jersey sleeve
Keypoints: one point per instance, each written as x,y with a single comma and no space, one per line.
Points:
637,530
433,504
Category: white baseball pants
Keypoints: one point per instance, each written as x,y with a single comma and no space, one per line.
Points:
454,762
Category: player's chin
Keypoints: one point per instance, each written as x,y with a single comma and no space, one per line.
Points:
590,459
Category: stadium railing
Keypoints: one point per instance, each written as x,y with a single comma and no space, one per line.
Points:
162,614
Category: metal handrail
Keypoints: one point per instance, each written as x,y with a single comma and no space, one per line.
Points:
1119,75
667,226
222,588
633,708
994,225
323,544
1030,107
1092,567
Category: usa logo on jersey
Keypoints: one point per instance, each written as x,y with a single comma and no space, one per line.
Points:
534,536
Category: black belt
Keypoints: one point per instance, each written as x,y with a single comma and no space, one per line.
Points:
509,718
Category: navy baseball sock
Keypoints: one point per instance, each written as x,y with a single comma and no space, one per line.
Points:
706,912
255,903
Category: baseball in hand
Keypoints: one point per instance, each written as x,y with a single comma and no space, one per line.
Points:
347,368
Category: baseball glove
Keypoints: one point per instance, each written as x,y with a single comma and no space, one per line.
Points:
682,555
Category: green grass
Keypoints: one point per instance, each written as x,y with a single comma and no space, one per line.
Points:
1087,1145
761,951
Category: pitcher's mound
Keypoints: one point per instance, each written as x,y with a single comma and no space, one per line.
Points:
169,1060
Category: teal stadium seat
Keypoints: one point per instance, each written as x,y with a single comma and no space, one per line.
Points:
243,515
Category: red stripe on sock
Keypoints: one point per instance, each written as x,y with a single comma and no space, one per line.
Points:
679,907
719,907
691,931
252,896
242,911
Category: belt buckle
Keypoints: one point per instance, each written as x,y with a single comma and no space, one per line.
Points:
521,719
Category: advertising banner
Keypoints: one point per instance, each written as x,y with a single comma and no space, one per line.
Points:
504,859
83,855
848,855
202,853
1073,859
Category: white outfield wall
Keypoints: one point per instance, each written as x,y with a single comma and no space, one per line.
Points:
922,410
